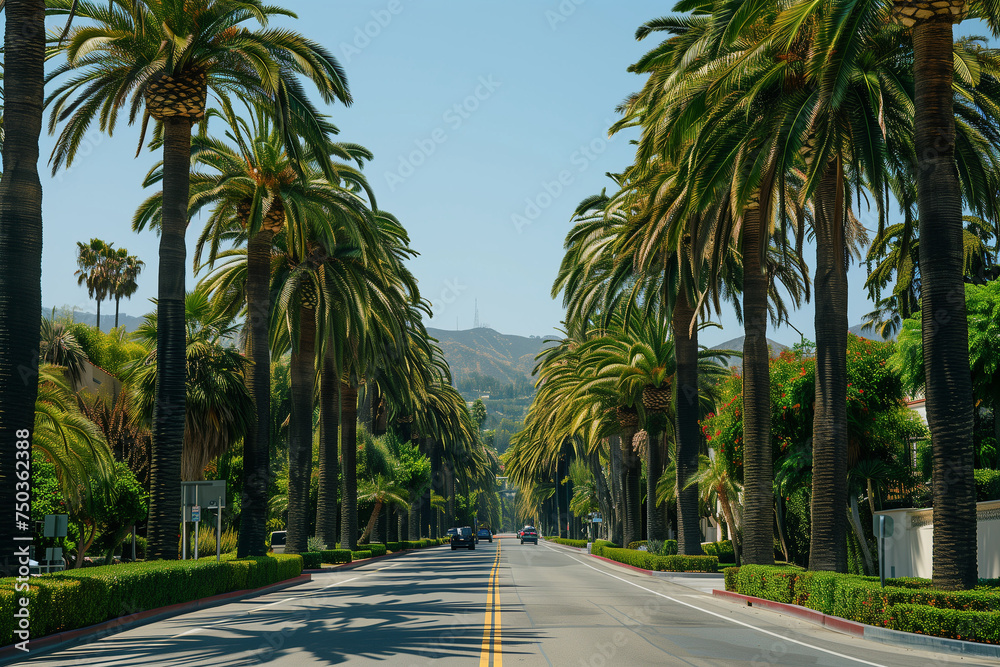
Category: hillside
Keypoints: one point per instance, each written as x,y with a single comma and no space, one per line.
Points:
107,317
509,359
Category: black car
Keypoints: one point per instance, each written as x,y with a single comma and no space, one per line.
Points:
529,534
463,537
484,534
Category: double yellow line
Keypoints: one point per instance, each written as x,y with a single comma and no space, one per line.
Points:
492,622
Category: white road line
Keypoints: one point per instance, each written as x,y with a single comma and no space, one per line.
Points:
726,618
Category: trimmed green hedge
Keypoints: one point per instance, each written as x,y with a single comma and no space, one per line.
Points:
648,561
376,549
605,543
973,615
360,555
396,546
82,597
312,560
723,549
579,544
987,485
336,556
637,544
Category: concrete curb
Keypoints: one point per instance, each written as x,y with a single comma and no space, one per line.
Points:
113,626
565,546
870,632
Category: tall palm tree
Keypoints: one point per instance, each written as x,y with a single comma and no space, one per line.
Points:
945,333
20,241
125,270
96,267
163,56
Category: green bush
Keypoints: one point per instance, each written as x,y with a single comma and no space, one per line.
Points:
140,547
83,597
312,560
977,626
731,573
637,544
395,546
579,544
360,555
767,582
650,561
605,543
987,485
336,556
376,549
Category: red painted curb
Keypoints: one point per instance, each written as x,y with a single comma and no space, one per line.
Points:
806,614
115,625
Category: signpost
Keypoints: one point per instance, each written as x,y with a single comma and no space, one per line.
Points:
883,528
213,494
56,526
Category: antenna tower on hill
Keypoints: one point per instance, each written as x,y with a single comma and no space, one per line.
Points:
475,322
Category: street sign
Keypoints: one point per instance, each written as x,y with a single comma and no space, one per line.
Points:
882,525
196,513
598,519
56,525
53,553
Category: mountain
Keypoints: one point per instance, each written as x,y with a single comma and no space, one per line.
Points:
483,351
736,344
107,318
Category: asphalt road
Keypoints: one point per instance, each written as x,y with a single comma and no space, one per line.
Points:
504,603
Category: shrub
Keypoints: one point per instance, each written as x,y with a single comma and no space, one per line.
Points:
731,574
987,485
360,555
605,543
637,544
312,560
651,561
395,546
140,547
767,582
336,556
978,626
376,549
579,544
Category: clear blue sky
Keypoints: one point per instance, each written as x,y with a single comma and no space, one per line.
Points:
475,111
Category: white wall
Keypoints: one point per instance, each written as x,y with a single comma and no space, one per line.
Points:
911,547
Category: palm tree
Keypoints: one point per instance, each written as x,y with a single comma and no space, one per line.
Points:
383,492
946,335
164,56
20,240
714,483
60,347
125,270
218,410
94,260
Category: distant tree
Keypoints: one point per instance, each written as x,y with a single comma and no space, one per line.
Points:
123,270
478,413
94,261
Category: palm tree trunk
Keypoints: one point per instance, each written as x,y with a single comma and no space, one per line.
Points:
855,520
371,523
349,462
118,301
632,529
656,525
303,378
168,413
99,314
828,542
945,328
727,511
256,444
688,436
329,405
20,249
758,544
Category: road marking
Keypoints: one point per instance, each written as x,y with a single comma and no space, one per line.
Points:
492,620
726,618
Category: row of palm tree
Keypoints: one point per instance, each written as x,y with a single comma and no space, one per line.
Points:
108,273
761,124
294,243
